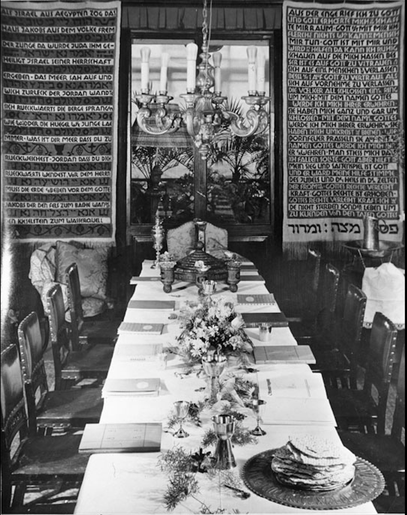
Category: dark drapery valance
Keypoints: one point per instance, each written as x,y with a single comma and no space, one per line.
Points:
137,17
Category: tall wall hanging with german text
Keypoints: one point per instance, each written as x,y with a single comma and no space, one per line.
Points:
342,84
59,98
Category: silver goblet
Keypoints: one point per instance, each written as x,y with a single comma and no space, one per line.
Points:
224,426
258,405
181,411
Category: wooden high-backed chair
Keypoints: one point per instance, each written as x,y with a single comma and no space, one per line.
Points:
387,451
52,464
316,332
358,408
72,366
52,409
338,362
85,331
300,304
181,240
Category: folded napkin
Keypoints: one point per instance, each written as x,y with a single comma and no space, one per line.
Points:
384,287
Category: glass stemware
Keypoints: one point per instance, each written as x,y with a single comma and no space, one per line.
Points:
258,405
181,411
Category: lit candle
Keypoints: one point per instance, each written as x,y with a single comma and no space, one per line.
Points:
145,68
163,77
192,51
251,54
217,59
261,62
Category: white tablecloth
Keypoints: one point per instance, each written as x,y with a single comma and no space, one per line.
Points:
132,483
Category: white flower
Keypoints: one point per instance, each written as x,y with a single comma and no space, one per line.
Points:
211,324
237,322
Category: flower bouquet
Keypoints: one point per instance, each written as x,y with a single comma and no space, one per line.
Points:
212,330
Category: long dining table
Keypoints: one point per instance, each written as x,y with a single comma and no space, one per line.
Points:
296,405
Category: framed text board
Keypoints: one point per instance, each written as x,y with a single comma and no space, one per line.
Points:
342,93
59,112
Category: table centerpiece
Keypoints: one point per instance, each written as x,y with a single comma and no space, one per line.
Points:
212,340
211,331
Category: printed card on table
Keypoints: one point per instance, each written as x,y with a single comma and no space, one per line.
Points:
132,386
257,299
152,304
130,437
253,278
248,266
138,328
294,385
143,280
284,354
137,352
272,319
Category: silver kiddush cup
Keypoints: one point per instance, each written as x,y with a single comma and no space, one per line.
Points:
224,426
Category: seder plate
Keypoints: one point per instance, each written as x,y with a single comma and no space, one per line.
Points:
367,484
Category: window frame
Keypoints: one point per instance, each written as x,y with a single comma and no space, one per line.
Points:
237,232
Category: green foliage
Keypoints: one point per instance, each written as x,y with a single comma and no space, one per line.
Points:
193,416
146,158
241,436
181,486
182,471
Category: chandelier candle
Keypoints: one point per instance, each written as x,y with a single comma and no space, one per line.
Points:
261,62
192,52
217,59
163,76
251,54
145,68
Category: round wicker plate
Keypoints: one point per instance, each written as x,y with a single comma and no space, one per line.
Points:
259,478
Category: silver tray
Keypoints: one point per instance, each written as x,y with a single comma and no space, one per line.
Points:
367,484
384,250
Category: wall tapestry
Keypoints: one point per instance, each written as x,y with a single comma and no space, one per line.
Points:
59,112
342,84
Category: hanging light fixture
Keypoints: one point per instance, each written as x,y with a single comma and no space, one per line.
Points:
206,113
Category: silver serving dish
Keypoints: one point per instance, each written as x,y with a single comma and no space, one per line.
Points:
386,248
185,269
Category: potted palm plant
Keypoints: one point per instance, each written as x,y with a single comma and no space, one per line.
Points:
152,162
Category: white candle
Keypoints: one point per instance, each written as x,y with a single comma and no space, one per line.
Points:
261,63
217,59
163,77
251,54
192,51
145,68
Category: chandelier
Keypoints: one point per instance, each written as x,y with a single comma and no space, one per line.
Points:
206,114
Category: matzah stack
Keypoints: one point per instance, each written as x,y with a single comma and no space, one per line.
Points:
313,464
